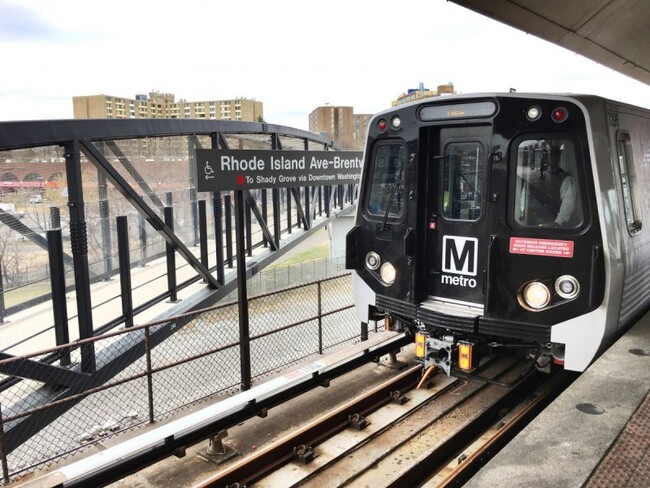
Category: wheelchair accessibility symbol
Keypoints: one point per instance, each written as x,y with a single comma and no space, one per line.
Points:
209,172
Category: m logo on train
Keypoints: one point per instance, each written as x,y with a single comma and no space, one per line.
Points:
460,257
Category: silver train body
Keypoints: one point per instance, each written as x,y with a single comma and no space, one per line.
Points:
457,234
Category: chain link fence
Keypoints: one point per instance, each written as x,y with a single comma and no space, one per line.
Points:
155,370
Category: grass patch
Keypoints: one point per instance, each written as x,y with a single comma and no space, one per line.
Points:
319,251
21,295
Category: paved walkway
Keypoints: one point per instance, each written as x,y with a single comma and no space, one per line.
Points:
31,330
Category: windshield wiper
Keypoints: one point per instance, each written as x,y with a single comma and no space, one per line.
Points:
398,179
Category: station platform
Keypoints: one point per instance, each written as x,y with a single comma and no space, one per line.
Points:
595,434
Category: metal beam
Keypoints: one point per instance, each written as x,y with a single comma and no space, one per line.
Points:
299,209
252,203
35,370
134,173
14,224
156,222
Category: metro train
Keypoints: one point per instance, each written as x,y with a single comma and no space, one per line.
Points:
505,220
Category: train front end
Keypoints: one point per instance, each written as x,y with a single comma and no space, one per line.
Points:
477,229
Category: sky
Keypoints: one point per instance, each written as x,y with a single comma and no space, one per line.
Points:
292,55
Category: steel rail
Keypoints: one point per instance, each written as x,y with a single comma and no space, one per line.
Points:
265,461
507,430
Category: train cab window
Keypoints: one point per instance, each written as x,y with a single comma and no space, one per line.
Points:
548,183
463,167
386,195
628,180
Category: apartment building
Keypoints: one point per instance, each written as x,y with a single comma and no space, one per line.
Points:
421,92
158,105
341,124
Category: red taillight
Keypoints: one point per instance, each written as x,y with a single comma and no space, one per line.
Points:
382,125
560,114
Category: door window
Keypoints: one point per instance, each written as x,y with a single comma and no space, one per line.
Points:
463,168
628,181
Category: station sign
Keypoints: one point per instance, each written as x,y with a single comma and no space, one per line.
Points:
219,169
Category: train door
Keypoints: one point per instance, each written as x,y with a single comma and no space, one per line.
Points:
457,228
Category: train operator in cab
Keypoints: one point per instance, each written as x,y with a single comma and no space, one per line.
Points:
567,195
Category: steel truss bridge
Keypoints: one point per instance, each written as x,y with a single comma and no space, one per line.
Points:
120,192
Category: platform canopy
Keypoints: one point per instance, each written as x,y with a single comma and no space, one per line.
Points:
614,33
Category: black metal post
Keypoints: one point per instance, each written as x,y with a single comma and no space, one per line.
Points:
244,332
57,283
125,270
289,223
328,190
102,200
195,216
277,231
308,216
55,218
171,258
249,228
217,211
203,234
227,203
142,228
79,245
320,318
364,331
320,201
147,345
264,215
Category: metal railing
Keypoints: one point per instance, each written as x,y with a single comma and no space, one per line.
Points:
202,361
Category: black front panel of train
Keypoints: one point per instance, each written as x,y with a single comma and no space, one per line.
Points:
507,205
468,212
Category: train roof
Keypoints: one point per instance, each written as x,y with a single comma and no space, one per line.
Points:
584,98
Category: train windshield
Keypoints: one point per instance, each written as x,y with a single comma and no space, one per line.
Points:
386,197
548,183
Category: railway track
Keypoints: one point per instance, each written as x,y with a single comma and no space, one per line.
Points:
400,435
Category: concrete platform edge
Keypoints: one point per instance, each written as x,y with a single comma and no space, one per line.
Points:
563,445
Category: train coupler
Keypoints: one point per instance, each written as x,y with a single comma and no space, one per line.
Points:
445,352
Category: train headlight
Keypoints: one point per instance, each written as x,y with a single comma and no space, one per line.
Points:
372,261
396,122
536,295
387,273
567,287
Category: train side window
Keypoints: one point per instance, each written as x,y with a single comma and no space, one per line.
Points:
386,195
628,180
548,183
462,184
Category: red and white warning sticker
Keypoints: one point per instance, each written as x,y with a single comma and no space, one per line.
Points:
541,247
